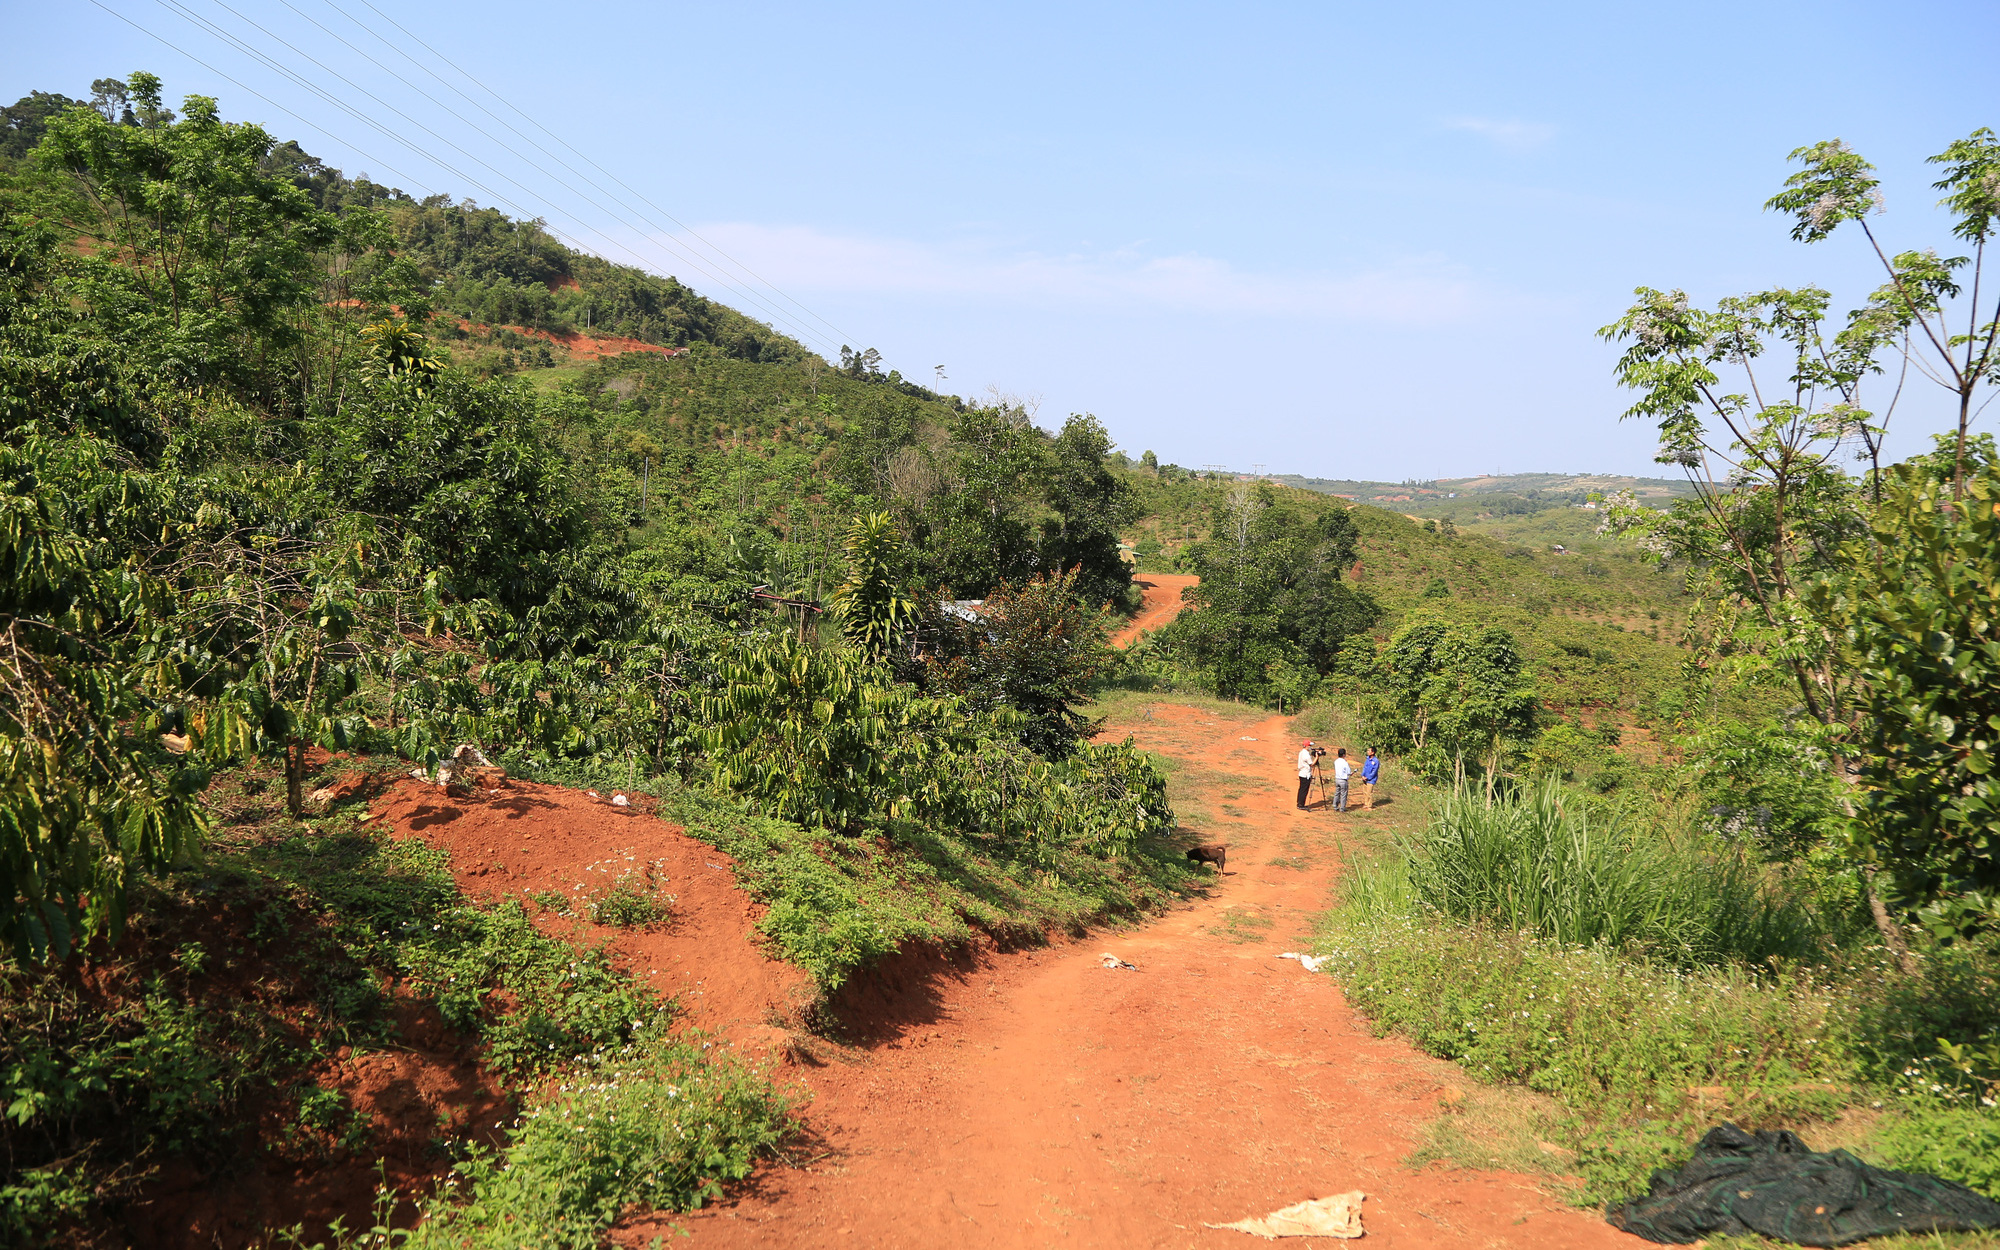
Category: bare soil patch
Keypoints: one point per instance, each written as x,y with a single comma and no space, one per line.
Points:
1162,604
529,840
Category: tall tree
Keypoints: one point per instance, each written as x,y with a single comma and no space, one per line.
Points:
1941,336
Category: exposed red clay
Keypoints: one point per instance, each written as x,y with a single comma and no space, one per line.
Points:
527,838
1162,604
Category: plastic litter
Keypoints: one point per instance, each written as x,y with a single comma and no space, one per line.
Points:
1772,1183
1338,1216
619,800
1110,960
1311,962
461,761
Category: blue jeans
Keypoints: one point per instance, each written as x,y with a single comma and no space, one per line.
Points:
1339,796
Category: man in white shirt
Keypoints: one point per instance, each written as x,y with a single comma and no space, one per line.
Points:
1342,770
1308,759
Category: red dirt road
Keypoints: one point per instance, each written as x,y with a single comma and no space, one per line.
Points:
1035,1099
1162,604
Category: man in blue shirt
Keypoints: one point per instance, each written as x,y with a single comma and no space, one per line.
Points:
1371,768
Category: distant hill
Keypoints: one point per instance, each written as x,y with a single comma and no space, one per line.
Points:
1543,490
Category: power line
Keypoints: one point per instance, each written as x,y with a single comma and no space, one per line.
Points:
585,157
748,296
249,49
260,95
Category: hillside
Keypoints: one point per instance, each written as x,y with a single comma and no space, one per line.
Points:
508,727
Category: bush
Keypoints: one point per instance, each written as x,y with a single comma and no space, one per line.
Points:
658,1124
1608,1034
838,904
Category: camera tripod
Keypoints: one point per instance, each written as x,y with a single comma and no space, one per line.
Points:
1322,783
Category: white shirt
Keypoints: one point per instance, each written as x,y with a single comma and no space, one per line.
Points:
1305,763
1342,770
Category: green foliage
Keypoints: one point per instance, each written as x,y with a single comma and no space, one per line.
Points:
1453,692
1770,784
1538,864
1610,1036
1918,614
872,613
195,252
89,798
1958,1143
660,1126
1038,650
538,1002
1270,590
1053,848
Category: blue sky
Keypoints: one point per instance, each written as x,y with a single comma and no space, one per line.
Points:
1342,240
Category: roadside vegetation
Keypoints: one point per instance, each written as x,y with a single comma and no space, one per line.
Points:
266,504
1782,910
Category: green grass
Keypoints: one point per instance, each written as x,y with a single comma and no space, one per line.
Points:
1536,864
660,1125
1641,1054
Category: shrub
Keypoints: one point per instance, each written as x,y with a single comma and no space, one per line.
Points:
658,1124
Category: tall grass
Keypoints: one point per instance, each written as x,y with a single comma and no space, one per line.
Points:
1533,863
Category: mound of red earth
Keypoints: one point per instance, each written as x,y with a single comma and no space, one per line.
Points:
517,841
521,840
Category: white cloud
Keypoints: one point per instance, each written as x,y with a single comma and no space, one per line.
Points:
1417,291
1509,133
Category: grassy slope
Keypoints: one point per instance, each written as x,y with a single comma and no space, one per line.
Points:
1599,627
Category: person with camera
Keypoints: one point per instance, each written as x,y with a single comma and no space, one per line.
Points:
1308,760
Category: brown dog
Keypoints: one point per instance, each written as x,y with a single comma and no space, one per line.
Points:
1216,853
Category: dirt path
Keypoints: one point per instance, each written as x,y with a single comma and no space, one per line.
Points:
1039,1099
1162,603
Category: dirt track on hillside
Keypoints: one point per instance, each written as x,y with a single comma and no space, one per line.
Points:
1162,604
1038,1098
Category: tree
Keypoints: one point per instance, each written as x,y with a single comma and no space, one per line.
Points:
23,122
113,99
1037,649
197,256
92,796
1774,519
872,609
1271,590
1454,692
1091,505
866,363
1915,308
1919,613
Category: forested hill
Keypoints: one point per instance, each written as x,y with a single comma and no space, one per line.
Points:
476,263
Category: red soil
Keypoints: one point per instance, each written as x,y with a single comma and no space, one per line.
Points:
998,1099
581,346
1162,604
527,838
